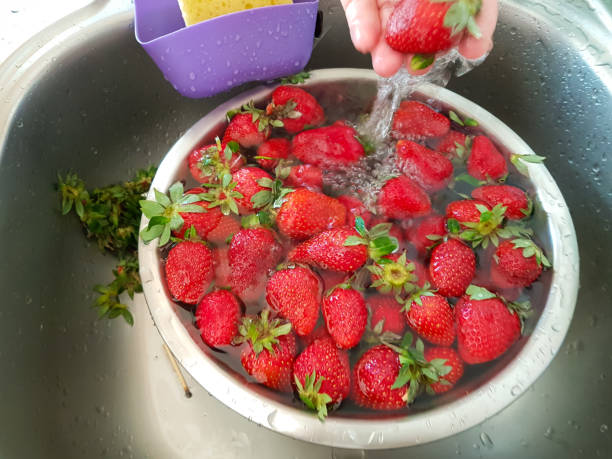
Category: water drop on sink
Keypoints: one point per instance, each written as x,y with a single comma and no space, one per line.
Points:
515,390
486,441
603,428
548,433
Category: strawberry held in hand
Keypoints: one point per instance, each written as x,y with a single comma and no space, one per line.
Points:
429,26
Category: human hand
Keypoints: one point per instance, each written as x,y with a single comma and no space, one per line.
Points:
367,20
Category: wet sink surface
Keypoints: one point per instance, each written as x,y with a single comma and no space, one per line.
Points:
76,387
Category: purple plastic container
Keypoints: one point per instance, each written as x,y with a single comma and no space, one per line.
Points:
215,55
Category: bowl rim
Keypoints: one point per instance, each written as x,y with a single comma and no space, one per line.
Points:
418,428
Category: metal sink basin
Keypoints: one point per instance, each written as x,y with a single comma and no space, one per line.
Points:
90,100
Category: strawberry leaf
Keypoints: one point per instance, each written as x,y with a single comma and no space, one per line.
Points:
300,77
479,293
360,226
421,61
354,240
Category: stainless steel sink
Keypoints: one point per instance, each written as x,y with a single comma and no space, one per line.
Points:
90,100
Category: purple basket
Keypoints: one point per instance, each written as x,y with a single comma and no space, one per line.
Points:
215,55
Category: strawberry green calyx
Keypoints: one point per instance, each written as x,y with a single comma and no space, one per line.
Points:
530,249
300,77
416,297
216,160
277,112
260,219
460,16
421,61
163,213
479,293
521,161
487,229
273,196
261,332
259,116
377,239
368,145
222,195
462,122
393,276
190,235
521,308
311,396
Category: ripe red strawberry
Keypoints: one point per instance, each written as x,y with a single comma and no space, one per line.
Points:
433,225
486,328
452,145
485,161
247,184
295,293
425,27
252,253
306,213
346,316
270,351
222,268
330,147
208,162
430,315
519,262
517,203
296,108
326,250
332,278
452,360
429,169
465,210
355,208
226,228
245,131
217,317
203,222
452,267
414,120
401,198
319,333
387,310
276,148
189,271
322,376
306,176
373,376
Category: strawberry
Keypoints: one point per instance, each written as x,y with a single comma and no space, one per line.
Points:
321,375
466,210
355,208
295,293
189,271
222,268
373,379
217,317
249,127
452,267
452,359
485,161
248,185
271,151
517,203
430,315
346,316
226,228
295,108
387,312
401,198
453,145
414,120
203,222
486,327
476,222
252,253
331,147
305,176
270,350
306,213
206,164
326,250
426,27
319,333
433,225
332,278
519,262
429,169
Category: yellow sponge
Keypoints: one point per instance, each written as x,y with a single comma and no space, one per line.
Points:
195,11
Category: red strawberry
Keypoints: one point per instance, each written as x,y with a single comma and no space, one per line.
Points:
322,376
452,145
247,184
331,147
433,225
326,250
465,210
189,271
452,267
245,131
498,283
414,120
373,376
306,213
346,316
430,315
519,262
401,198
203,222
270,351
319,333
222,268
217,317
295,108
276,148
387,310
452,360
429,169
332,278
426,27
485,161
295,293
306,176
252,253
486,328
517,203
355,208
209,162
226,228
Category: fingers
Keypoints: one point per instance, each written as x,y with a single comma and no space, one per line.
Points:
386,61
364,23
472,47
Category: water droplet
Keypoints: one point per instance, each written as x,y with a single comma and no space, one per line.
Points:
486,441
192,76
603,428
192,88
28,299
515,390
548,433
19,123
